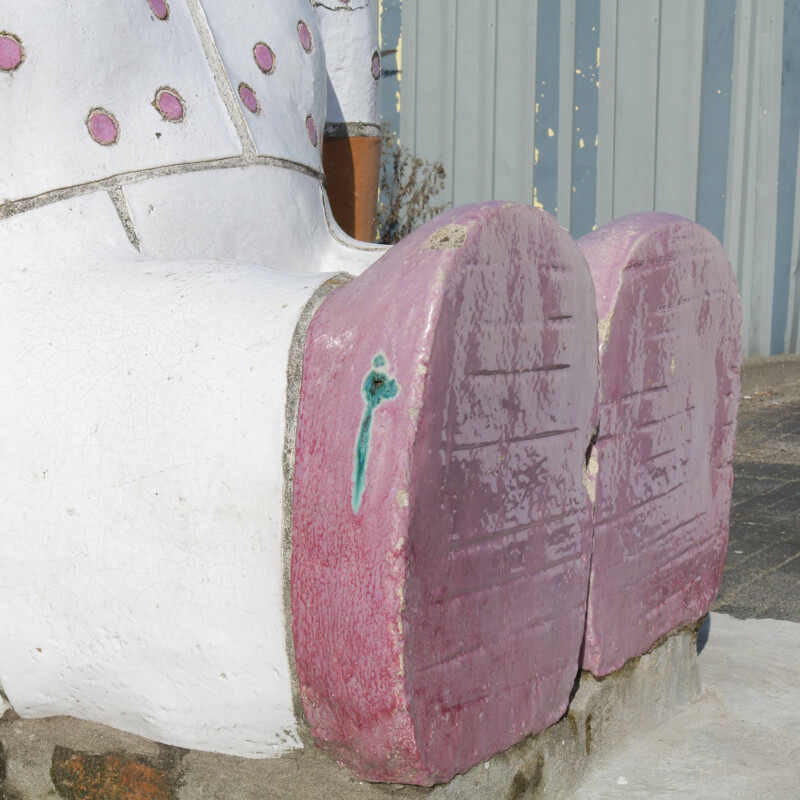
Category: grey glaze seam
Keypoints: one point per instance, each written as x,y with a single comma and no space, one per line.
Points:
344,130
117,195
294,378
224,85
12,207
319,4
350,244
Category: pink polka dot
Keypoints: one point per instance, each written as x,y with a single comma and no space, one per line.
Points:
265,58
11,54
170,105
103,128
159,7
312,130
376,65
304,34
249,98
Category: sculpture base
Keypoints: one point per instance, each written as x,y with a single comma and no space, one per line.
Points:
84,760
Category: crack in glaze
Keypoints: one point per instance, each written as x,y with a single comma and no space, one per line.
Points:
378,386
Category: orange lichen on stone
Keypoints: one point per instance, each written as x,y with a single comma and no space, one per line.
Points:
81,776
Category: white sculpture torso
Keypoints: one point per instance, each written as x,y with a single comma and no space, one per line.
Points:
163,223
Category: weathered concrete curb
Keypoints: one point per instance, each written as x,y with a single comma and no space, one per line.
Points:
769,372
602,716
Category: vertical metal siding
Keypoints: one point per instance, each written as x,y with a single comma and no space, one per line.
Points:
715,114
680,54
750,219
585,120
545,131
476,48
597,108
788,210
635,105
606,114
515,100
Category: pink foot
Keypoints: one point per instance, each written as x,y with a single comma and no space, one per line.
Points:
441,539
669,389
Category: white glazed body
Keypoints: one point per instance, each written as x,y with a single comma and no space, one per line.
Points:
150,292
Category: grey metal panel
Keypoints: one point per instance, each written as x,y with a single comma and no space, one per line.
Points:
636,103
750,219
597,108
787,169
437,85
390,20
793,326
545,171
606,113
408,75
678,123
566,110
476,42
584,139
515,88
715,115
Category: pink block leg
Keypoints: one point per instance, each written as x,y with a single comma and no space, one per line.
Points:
670,354
438,604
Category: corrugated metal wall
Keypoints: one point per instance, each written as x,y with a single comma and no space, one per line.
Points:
598,108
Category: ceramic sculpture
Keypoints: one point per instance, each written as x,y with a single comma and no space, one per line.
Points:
670,351
262,480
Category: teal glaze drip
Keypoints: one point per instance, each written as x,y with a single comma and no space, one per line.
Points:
378,386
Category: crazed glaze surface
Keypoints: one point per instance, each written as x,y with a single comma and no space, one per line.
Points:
144,195
144,402
353,61
160,103
440,622
670,353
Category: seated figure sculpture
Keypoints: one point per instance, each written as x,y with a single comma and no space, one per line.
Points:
262,479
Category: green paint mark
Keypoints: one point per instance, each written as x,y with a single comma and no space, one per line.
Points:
378,386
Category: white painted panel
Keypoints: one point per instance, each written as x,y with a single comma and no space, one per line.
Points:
295,88
793,327
636,102
515,100
606,115
436,85
738,149
475,93
350,37
679,89
262,215
566,111
407,66
77,59
750,219
141,583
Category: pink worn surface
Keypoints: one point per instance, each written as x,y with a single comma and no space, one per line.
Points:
442,621
670,353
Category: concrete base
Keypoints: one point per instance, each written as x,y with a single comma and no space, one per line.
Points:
60,756
739,741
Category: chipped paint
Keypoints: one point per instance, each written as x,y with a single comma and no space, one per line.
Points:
447,237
